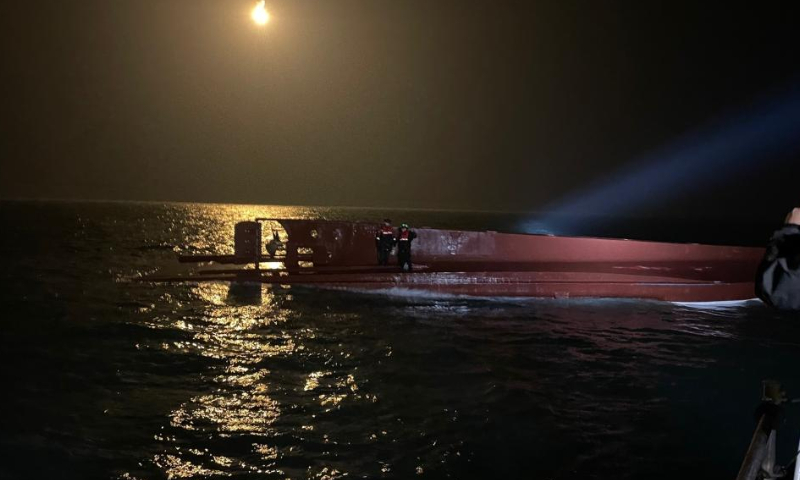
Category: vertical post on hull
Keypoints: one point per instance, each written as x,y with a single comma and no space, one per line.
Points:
247,241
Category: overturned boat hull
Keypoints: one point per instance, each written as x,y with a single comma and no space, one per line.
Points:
341,255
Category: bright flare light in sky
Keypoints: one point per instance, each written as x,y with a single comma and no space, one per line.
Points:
260,14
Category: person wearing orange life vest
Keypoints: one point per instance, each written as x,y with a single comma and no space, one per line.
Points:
404,239
384,241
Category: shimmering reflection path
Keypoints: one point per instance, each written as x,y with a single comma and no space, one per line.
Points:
107,378
280,386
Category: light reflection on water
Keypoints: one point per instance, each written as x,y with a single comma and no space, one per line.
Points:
209,227
243,338
243,404
131,380
242,332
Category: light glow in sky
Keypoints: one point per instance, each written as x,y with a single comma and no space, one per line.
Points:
260,14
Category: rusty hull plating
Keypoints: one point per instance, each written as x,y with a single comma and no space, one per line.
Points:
341,255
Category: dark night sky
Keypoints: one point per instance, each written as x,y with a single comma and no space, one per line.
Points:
459,104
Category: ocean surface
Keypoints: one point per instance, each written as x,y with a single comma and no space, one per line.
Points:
110,378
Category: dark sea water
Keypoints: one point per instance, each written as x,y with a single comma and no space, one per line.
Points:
105,377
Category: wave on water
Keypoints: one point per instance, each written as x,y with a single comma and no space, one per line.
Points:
752,302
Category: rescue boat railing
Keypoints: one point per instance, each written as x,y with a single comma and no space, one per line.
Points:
759,461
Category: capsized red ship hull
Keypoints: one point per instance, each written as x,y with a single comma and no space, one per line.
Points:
342,255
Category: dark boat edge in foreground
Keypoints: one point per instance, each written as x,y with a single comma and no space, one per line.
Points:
341,255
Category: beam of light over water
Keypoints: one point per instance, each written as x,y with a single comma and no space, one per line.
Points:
745,142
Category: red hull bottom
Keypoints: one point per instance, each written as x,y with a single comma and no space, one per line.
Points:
342,255
502,284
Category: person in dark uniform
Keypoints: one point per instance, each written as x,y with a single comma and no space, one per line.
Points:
778,277
384,242
404,239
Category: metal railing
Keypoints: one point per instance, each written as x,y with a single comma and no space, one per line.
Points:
759,461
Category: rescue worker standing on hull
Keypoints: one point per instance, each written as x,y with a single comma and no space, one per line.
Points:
404,239
384,242
778,277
